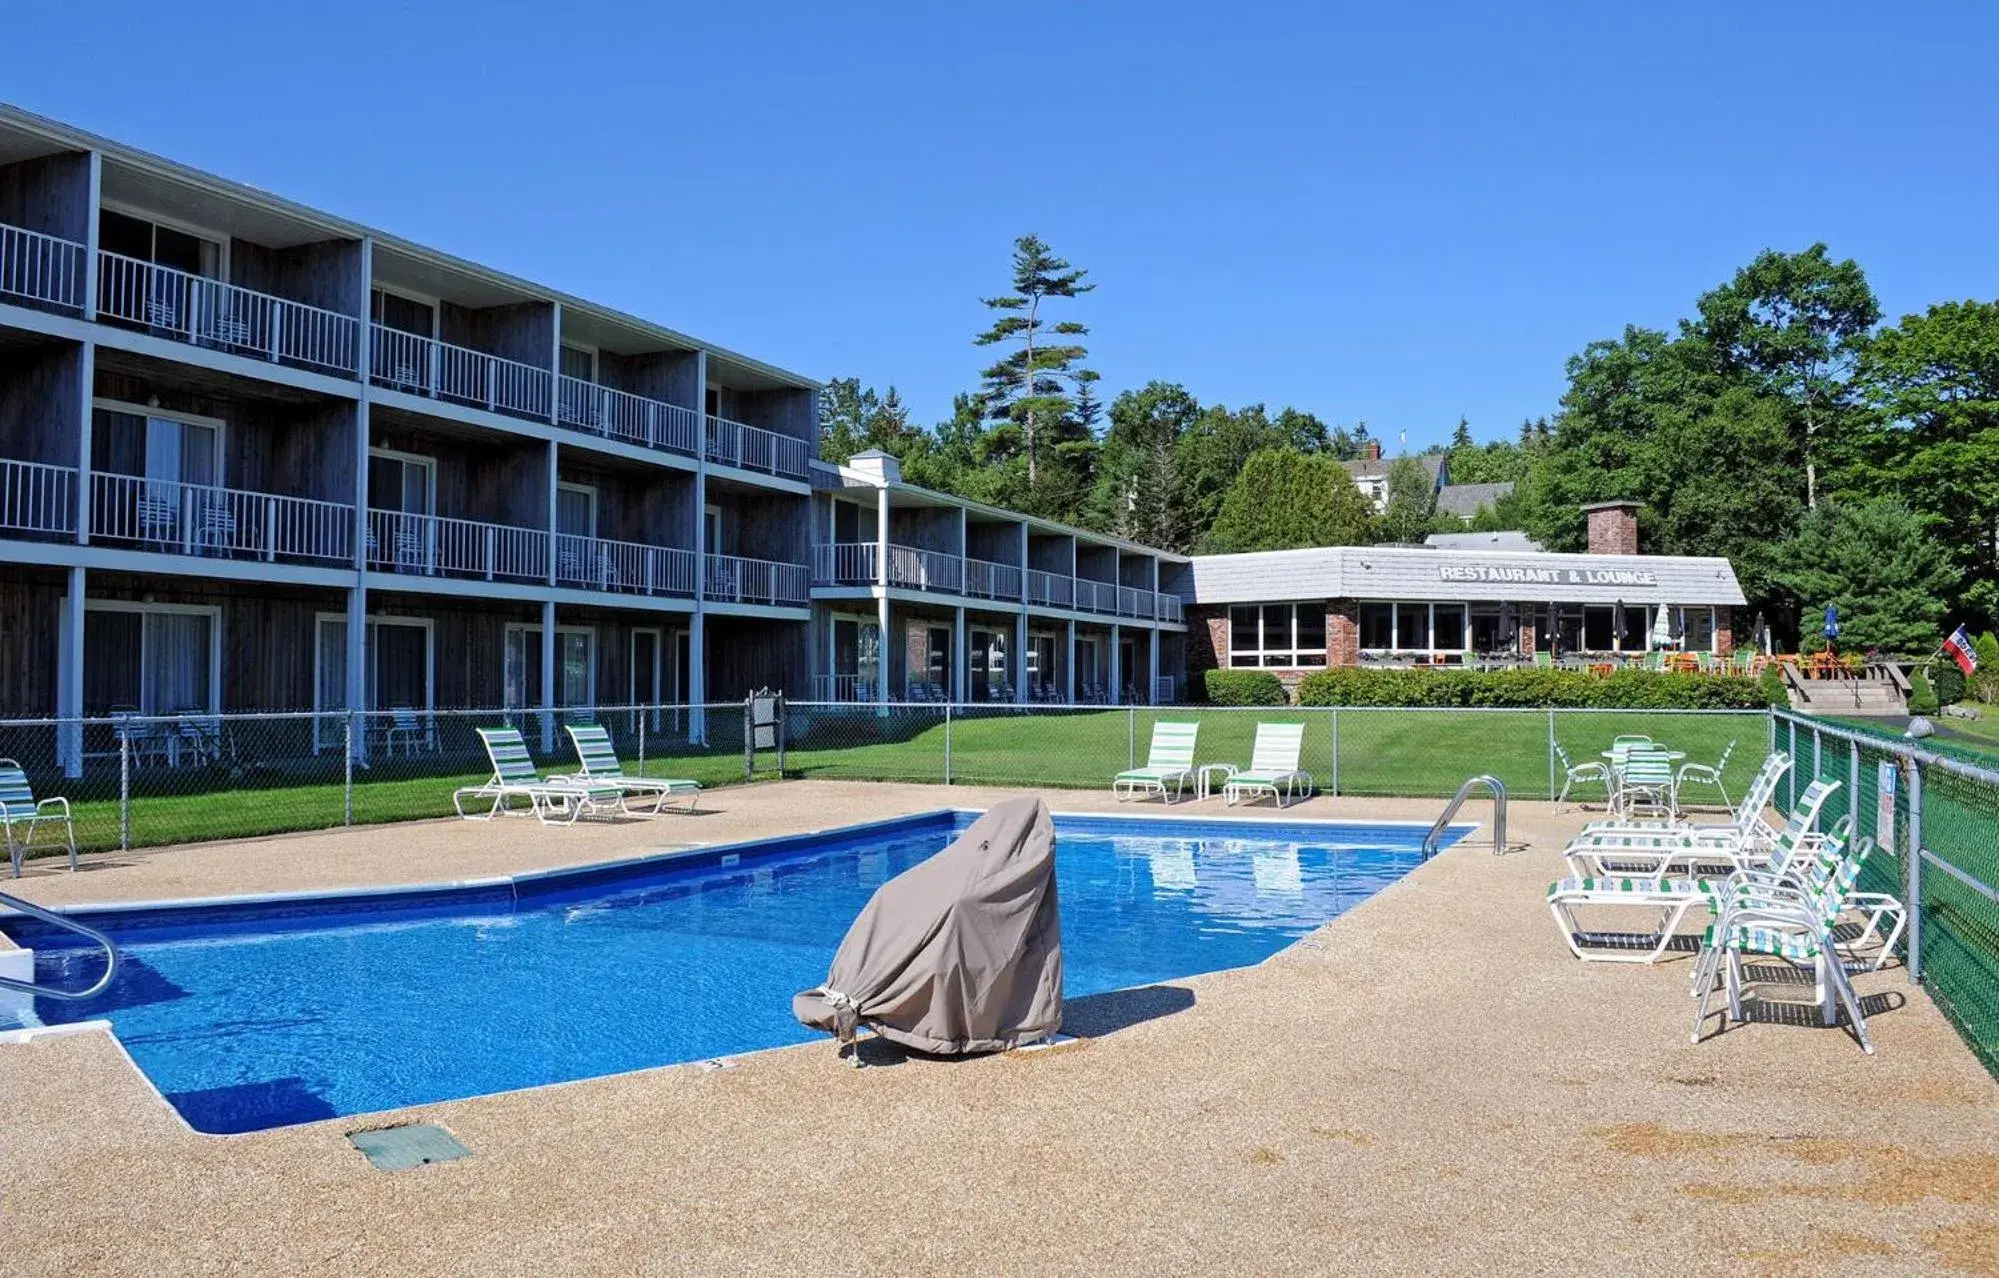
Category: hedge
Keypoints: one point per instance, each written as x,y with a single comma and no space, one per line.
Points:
1622,690
1922,697
1244,688
1949,684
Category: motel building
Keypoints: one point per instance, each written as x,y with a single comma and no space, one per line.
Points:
1496,599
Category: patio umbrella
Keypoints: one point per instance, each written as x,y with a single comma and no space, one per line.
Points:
1662,628
1759,635
1831,623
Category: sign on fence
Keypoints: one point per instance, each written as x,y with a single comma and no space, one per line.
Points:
1885,773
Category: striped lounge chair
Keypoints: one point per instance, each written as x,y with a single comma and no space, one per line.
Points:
600,767
1170,760
1273,766
21,810
515,779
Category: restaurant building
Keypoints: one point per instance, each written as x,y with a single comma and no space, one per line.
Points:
1293,611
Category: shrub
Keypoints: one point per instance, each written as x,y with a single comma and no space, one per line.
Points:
1244,688
1771,681
1949,683
1623,690
1922,698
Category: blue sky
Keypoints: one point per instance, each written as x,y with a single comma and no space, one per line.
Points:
1391,213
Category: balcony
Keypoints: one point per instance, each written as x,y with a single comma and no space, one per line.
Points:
433,546
168,517
1050,590
37,500
988,580
634,419
1096,596
627,567
41,268
852,563
754,448
438,370
735,579
1170,608
204,312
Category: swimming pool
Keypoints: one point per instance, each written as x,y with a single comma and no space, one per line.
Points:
260,1013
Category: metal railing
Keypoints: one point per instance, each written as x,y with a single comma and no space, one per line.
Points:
1134,602
1049,589
37,498
595,563
747,447
736,579
914,568
1496,788
41,268
192,308
990,580
844,563
1095,596
431,545
206,519
88,933
424,366
617,414
1169,607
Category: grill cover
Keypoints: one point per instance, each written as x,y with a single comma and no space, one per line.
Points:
961,953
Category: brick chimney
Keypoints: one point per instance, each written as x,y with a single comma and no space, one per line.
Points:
1613,527
1372,450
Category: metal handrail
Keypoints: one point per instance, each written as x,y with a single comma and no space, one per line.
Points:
1498,789
56,920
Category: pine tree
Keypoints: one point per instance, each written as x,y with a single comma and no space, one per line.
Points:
1461,437
1026,391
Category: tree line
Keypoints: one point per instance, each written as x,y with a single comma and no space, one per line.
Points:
1833,458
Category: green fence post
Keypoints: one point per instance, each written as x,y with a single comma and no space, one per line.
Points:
642,741
947,743
1915,902
1131,736
1853,791
1336,752
1552,791
347,770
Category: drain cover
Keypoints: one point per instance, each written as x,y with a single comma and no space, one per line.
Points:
411,1145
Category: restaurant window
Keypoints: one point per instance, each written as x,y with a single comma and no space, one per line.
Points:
1569,628
1277,635
1635,628
1412,627
1377,627
1697,629
1447,628
1598,625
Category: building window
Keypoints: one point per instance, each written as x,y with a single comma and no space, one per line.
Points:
575,666
1377,627
151,659
1277,635
1412,627
1696,629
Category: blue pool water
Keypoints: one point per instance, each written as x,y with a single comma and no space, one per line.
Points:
259,1014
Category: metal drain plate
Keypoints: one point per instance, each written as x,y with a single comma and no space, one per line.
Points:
411,1145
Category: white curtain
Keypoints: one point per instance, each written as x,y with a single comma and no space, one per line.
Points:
177,663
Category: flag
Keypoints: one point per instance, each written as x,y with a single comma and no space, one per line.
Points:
1960,650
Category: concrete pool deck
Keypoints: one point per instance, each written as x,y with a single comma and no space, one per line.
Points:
1429,1084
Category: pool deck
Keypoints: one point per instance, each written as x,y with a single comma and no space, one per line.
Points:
1428,1085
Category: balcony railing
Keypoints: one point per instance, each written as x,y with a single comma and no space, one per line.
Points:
424,366
229,523
843,687
1170,608
916,569
594,563
37,498
1050,590
617,414
1133,602
734,579
844,563
989,580
41,268
754,448
193,308
428,545
1095,596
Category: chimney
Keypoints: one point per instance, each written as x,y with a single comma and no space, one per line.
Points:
1613,527
1372,451
877,465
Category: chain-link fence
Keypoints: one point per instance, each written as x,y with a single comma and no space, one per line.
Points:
1936,818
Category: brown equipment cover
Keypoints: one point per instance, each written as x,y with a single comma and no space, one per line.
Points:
961,953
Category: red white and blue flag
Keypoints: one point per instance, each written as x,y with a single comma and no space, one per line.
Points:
1960,650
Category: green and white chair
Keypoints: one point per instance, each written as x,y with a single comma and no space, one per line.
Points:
1588,772
1745,821
600,767
1657,850
1273,767
1644,783
515,779
1168,761
1706,773
19,808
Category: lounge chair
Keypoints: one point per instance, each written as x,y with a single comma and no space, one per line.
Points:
1746,821
1273,766
1654,852
514,777
1706,773
1170,759
600,766
18,806
1589,772
1644,780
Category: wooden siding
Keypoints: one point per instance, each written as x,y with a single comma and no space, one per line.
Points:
499,479
1135,570
746,653
997,543
671,377
524,332
329,274
50,194
1098,563
293,449
30,631
41,404
654,507
1049,552
787,411
925,527
763,526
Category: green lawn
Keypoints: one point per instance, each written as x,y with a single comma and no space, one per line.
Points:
1380,752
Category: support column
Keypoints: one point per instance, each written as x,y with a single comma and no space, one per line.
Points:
87,366
69,675
357,594
883,655
554,469
1069,667
1152,680
1020,627
90,244
697,634
961,662
1117,674
548,675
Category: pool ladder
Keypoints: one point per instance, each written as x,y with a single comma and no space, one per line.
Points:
1492,783
56,920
